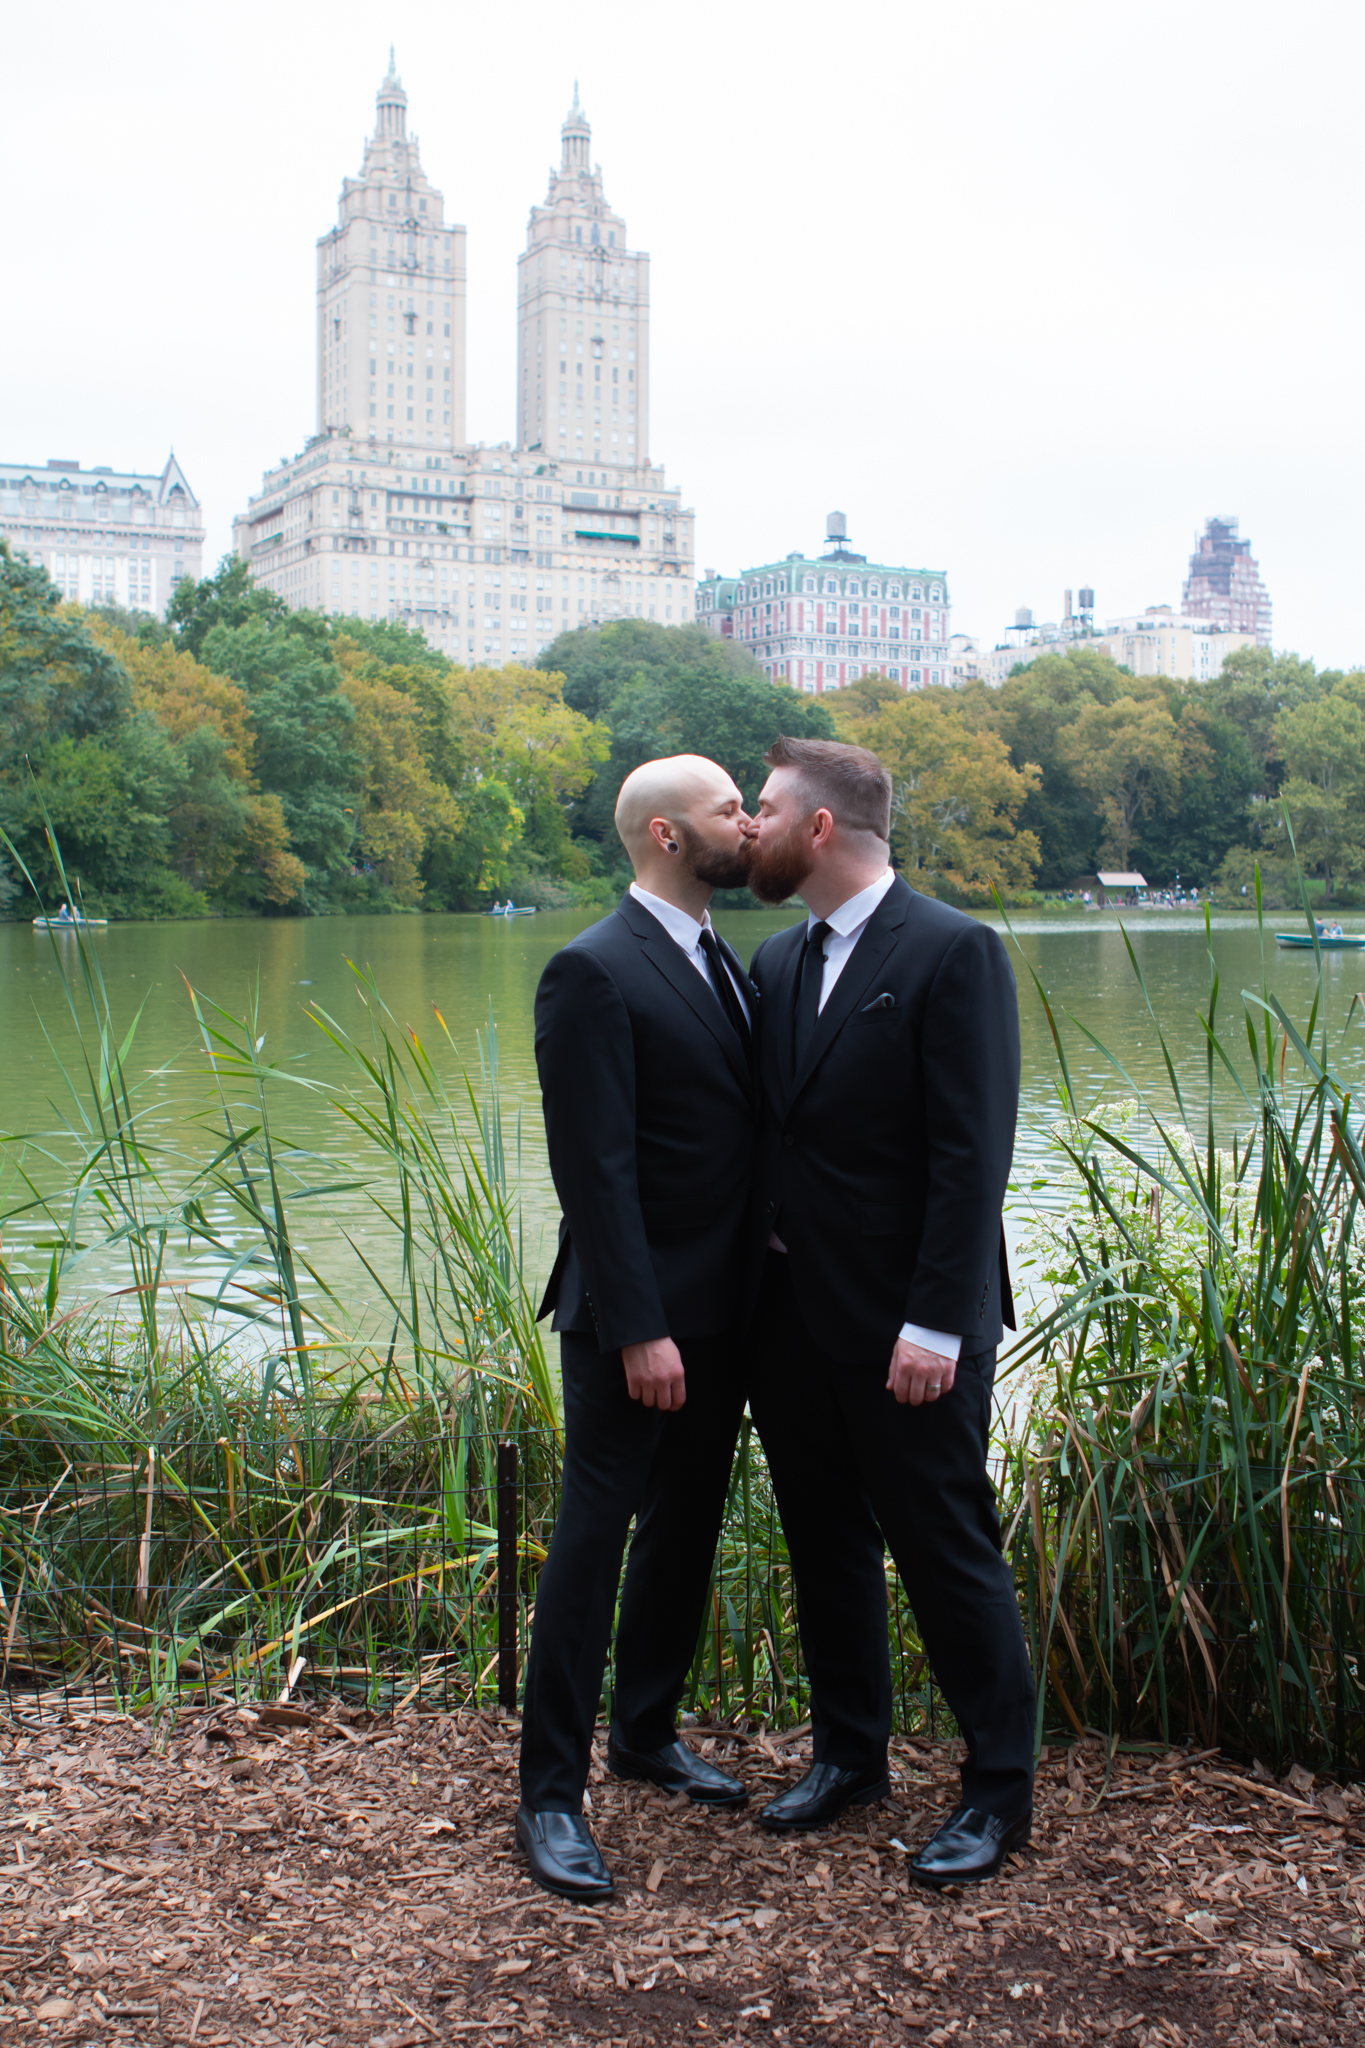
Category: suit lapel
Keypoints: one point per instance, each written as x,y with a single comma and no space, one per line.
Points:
667,956
877,941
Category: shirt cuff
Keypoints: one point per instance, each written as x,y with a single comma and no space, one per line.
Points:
941,1341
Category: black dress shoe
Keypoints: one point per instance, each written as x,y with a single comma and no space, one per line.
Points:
970,1846
676,1768
821,1797
563,1855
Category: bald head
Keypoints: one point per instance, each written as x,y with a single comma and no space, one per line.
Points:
684,789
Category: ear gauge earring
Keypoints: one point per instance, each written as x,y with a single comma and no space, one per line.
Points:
672,845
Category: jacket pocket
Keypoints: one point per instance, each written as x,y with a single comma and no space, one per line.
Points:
885,1219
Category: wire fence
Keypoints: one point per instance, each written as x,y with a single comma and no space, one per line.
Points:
392,1571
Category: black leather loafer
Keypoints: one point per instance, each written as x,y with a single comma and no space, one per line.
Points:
821,1797
676,1768
971,1845
563,1855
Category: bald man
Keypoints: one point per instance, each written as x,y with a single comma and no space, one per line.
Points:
643,1043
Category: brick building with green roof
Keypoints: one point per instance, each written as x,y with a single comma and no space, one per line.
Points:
819,622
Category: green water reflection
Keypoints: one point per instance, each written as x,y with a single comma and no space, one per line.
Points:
461,965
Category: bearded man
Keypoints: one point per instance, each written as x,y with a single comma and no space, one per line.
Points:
890,1067
644,1046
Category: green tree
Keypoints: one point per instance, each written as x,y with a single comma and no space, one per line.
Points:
107,801
1253,691
597,662
956,797
227,598
301,721
1126,756
474,861
227,837
76,751
1323,745
56,681
402,807
1217,781
385,644
674,690
515,728
1034,711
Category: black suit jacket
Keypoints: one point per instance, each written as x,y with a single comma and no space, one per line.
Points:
651,1117
883,1160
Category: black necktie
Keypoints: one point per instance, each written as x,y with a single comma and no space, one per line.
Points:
725,988
808,989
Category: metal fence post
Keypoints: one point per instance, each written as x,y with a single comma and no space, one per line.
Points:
507,1576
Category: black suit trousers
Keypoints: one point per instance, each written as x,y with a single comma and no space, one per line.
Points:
852,1466
671,1472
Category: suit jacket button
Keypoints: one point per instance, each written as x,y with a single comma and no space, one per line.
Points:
788,1139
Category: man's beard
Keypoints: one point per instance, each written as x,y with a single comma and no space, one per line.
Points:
778,867
712,864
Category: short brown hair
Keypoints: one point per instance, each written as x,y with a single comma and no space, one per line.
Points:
848,782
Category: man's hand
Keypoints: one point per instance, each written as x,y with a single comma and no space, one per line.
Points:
654,1373
918,1375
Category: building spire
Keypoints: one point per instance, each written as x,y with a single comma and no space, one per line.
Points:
576,138
392,102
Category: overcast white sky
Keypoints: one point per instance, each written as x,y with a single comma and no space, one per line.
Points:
1027,292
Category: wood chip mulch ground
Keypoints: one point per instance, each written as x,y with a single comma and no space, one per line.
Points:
355,1881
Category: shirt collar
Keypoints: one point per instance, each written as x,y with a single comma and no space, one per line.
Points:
680,925
855,912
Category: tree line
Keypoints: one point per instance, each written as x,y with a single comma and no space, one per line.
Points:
1184,780
240,758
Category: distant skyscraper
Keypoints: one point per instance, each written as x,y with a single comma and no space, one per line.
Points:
1224,583
389,513
391,298
582,320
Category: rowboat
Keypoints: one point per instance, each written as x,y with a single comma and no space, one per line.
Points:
70,924
529,911
1300,942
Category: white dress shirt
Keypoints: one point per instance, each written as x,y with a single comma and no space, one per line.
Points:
846,926
686,933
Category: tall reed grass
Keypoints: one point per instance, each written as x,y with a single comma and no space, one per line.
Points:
202,1486
1187,1490
215,1488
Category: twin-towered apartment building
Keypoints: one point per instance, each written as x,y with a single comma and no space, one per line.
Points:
390,512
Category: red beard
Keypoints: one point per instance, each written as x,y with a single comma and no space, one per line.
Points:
778,867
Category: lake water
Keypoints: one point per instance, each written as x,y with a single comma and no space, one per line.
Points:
462,965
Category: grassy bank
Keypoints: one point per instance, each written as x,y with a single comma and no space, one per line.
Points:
1186,1495
209,1489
